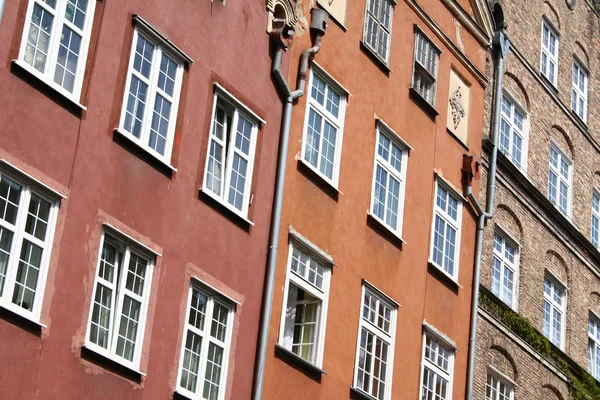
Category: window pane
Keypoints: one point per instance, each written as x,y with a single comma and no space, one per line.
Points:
191,362
38,38
219,322
197,310
128,328
166,76
136,103
380,192
75,12
37,217
313,138
68,58
238,181
136,274
159,129
10,196
5,245
27,275
212,377
101,316
142,61
328,150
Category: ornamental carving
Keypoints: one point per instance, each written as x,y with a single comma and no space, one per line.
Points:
458,110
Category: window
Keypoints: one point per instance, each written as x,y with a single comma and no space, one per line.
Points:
120,301
375,347
425,67
55,42
579,91
206,341
445,244
27,221
504,270
438,365
324,127
378,27
594,347
596,218
559,181
554,311
497,389
549,61
512,132
230,159
151,96
389,180
302,328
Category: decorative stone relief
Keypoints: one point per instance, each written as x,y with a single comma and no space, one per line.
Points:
571,4
285,9
457,121
458,111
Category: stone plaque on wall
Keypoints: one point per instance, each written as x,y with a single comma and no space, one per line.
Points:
336,9
457,121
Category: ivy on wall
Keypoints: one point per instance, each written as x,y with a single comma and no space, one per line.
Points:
582,385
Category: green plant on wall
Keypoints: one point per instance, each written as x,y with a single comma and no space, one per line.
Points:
583,386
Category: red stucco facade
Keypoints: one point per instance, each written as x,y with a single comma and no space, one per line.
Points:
105,180
336,220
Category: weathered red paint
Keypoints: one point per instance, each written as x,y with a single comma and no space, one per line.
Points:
105,181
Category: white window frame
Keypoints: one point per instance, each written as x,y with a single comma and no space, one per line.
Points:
58,22
383,130
506,264
229,149
516,107
549,55
422,70
594,346
499,380
322,295
336,122
212,298
457,225
577,93
560,178
379,26
124,246
18,236
387,337
555,283
448,375
595,219
152,91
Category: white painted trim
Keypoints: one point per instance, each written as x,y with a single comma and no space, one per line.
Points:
215,290
171,48
502,376
32,178
383,125
129,238
130,139
101,351
327,77
237,103
446,340
380,293
309,245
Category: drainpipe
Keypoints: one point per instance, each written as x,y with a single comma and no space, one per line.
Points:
282,40
500,46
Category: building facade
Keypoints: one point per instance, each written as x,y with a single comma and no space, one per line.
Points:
538,319
372,292
138,144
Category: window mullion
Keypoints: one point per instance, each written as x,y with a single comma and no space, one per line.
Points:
119,300
152,88
230,155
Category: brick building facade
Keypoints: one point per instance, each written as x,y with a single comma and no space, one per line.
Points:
540,255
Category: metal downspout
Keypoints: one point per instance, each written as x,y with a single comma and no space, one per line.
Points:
288,97
501,46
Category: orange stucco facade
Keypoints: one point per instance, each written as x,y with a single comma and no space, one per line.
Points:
337,220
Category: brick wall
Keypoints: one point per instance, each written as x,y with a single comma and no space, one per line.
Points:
547,241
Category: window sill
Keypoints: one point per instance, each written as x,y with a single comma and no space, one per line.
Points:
548,83
39,79
12,315
180,395
382,228
381,63
357,394
148,155
299,363
318,179
229,211
424,104
111,363
444,276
